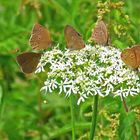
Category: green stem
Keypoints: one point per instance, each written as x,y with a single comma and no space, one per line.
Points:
40,112
94,118
72,116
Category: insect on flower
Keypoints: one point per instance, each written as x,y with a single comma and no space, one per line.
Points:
40,39
131,56
100,33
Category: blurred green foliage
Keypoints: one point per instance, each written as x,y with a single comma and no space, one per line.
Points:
23,115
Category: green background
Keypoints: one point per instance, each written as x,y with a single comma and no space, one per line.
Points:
23,115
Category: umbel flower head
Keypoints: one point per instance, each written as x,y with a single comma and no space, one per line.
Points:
88,72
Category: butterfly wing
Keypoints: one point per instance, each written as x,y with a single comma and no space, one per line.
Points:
100,33
40,37
28,61
136,49
73,39
128,56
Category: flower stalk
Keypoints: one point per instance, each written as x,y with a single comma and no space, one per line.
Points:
94,118
125,105
72,116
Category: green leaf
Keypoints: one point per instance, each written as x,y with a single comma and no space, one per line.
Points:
125,127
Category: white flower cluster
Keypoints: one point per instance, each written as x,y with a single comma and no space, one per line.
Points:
88,72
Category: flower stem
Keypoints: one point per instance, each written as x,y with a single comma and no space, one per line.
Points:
72,116
124,104
94,118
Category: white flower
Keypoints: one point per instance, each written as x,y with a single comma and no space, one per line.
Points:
50,85
81,99
39,69
88,72
132,91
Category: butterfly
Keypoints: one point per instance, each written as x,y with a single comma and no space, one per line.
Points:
131,56
73,39
100,33
40,39
28,61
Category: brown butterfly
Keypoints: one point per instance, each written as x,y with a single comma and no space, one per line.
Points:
100,33
28,61
40,39
131,56
73,39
